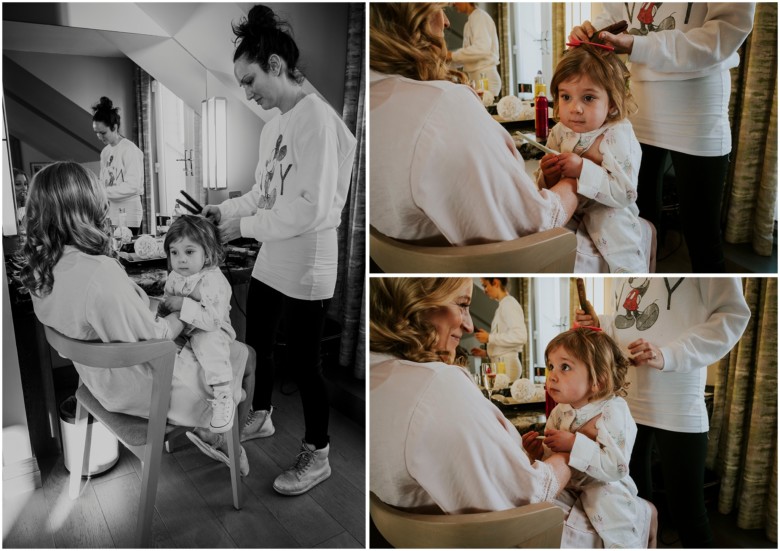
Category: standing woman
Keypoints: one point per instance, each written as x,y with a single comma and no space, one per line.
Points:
121,165
302,180
479,54
508,333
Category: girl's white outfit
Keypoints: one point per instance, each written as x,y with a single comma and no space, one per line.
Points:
479,54
600,479
679,66
302,182
694,322
93,299
608,211
122,174
206,311
438,445
508,334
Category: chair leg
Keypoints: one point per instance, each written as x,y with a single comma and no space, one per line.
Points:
234,453
80,464
151,475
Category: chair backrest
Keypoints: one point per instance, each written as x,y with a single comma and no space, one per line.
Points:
159,354
538,525
551,251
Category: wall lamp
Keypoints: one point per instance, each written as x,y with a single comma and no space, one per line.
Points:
214,134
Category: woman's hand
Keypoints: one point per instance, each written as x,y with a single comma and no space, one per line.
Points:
173,304
644,353
175,324
479,352
213,213
533,447
570,165
559,440
584,319
623,42
582,32
482,336
550,169
229,229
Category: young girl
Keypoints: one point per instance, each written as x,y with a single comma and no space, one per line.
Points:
599,150
586,377
200,293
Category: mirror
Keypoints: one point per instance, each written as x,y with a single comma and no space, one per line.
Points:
54,74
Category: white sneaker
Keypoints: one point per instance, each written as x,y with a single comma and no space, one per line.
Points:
258,424
222,408
214,450
311,467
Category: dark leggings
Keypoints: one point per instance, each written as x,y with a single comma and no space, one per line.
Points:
682,465
700,183
304,321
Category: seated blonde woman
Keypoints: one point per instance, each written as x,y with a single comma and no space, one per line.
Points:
437,445
442,170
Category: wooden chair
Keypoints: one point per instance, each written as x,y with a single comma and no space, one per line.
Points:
550,251
538,525
144,437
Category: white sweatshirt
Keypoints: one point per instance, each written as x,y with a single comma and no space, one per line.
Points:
302,182
479,53
508,334
122,174
695,322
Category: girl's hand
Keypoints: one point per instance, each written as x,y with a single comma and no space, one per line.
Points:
173,304
482,335
582,32
559,440
479,352
550,169
533,447
570,165
644,353
584,319
229,229
213,213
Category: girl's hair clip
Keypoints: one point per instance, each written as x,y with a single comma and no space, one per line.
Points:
591,327
577,42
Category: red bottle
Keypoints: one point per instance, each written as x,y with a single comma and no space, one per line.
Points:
542,114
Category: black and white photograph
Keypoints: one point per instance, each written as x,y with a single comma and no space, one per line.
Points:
184,246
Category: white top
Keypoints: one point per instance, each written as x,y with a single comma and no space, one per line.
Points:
680,76
695,322
93,299
508,334
302,182
442,167
437,442
122,173
206,304
480,43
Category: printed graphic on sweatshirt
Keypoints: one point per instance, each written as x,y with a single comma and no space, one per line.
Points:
274,166
644,315
113,175
648,19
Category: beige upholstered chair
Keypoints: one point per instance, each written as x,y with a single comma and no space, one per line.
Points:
539,525
551,251
144,437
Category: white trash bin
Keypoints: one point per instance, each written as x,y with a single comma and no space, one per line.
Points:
104,451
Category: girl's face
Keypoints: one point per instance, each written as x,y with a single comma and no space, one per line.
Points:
452,320
583,105
568,379
259,86
187,257
437,22
106,134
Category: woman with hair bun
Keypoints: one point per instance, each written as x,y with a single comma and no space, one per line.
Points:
302,180
121,165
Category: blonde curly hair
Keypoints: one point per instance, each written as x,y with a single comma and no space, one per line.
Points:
399,311
401,42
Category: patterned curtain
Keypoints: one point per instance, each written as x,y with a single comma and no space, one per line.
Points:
743,434
504,42
348,300
752,185
143,104
559,31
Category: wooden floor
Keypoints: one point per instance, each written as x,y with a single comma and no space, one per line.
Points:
193,507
